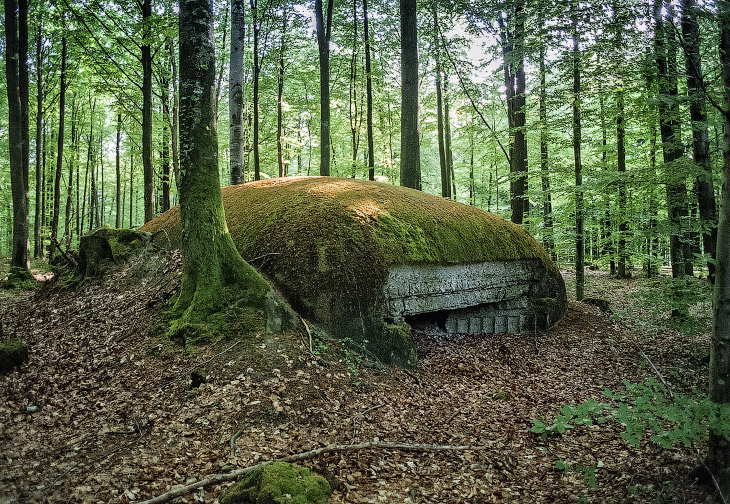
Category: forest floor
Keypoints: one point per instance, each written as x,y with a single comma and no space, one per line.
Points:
117,419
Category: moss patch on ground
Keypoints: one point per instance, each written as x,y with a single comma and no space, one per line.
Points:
107,244
13,354
328,243
279,483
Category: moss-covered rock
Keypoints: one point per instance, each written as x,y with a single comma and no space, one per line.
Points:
329,246
279,483
107,244
13,354
19,278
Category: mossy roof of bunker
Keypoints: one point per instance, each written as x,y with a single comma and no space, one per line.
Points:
319,234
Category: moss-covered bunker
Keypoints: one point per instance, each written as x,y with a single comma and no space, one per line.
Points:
362,257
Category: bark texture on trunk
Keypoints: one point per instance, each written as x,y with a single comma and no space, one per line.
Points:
59,152
324,33
15,18
149,183
700,139
578,168
235,91
369,84
719,453
410,150
210,260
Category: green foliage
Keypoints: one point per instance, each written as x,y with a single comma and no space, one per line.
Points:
647,408
588,472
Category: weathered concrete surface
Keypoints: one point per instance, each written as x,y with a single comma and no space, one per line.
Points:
484,298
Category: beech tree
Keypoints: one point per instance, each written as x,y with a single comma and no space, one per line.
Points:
210,260
16,71
410,149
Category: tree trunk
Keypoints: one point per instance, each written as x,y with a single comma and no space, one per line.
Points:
410,150
447,140
165,205
445,185
324,33
118,218
579,236
175,108
700,138
149,183
131,189
719,447
59,154
69,182
671,139
18,128
621,167
235,91
369,84
256,74
37,246
280,101
547,203
210,260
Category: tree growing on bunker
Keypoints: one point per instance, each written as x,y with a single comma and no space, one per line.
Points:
211,262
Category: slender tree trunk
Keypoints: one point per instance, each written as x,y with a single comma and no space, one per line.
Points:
547,203
621,166
410,149
280,102
256,74
447,140
120,210
235,90
445,185
700,138
69,183
131,190
324,34
24,90
37,246
175,109
149,182
579,232
354,115
369,84
44,191
719,446
59,153
165,205
86,178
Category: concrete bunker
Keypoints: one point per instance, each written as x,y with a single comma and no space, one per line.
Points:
362,259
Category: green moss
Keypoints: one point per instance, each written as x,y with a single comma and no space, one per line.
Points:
13,354
279,483
328,243
107,244
19,278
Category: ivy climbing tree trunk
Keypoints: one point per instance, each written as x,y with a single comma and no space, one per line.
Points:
210,260
410,149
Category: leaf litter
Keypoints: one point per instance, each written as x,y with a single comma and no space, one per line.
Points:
117,419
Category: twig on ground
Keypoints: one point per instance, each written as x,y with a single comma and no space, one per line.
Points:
193,368
234,475
415,378
359,414
309,333
233,443
712,475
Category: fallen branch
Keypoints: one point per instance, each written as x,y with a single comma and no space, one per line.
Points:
233,443
234,475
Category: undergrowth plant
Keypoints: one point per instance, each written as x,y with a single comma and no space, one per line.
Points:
646,408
